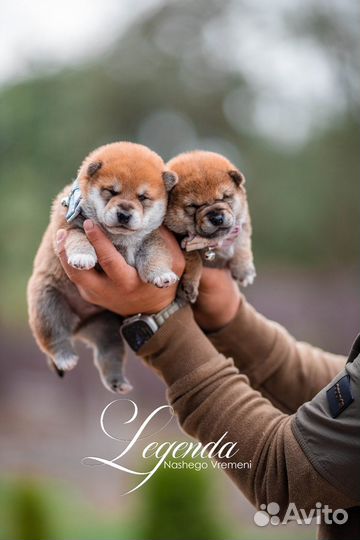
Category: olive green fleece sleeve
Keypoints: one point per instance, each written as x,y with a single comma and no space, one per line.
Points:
286,371
211,397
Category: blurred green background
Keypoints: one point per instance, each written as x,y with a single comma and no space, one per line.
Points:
171,81
272,85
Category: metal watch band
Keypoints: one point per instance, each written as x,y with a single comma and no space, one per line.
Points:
137,330
166,313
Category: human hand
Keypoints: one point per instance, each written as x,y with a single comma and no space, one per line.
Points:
218,301
119,288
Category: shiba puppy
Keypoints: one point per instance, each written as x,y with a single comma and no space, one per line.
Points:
123,187
208,211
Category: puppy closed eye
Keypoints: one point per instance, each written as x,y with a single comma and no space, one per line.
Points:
109,192
144,197
191,208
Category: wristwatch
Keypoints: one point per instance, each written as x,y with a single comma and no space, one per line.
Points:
137,330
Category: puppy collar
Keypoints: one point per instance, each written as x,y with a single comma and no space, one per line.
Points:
197,242
73,202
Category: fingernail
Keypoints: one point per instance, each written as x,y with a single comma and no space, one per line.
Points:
88,225
60,235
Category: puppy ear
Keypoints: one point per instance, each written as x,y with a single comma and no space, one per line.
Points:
170,179
238,177
93,168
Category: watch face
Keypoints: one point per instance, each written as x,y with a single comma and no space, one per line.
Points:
137,334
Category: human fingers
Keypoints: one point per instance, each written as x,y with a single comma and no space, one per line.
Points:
110,260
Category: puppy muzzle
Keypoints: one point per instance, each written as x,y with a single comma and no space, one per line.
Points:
214,221
123,217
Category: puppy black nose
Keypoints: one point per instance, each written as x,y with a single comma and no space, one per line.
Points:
215,218
123,218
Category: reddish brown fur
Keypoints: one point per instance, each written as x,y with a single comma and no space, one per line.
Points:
213,184
131,164
203,176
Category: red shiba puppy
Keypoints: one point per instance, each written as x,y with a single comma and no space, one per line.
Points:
123,187
208,211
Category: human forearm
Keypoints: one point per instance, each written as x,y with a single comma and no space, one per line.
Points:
286,371
211,398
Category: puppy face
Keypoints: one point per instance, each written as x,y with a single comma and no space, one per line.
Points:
124,188
209,198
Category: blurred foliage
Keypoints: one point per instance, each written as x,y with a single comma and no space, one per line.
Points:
176,505
30,517
36,509
160,86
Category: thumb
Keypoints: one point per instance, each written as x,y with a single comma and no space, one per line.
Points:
111,261
60,241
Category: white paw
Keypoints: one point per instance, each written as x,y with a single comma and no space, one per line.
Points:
165,279
65,362
188,290
82,261
118,385
248,276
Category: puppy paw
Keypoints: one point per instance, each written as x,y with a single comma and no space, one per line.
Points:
165,279
65,361
82,261
244,276
117,384
189,291
52,366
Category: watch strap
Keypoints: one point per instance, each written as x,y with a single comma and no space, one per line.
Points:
167,312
